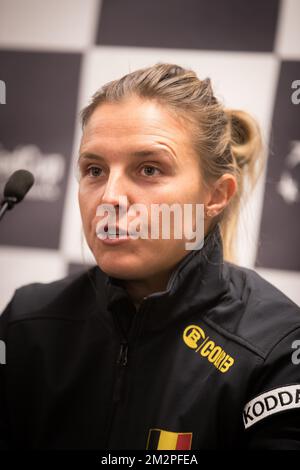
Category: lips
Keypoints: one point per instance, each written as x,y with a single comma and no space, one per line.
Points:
115,231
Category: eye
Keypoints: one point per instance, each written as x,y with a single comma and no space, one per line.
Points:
94,171
151,168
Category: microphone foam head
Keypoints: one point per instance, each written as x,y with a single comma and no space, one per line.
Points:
19,184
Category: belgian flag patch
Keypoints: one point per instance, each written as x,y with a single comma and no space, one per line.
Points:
158,439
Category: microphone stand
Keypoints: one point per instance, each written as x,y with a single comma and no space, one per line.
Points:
7,204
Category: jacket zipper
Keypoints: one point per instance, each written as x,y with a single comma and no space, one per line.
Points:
122,364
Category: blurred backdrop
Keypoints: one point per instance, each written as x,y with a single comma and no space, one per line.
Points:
55,53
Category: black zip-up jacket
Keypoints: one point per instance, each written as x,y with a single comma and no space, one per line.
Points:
210,363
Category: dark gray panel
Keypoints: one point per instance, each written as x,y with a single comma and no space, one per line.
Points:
40,110
280,227
189,24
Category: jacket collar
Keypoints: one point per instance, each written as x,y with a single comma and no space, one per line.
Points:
196,282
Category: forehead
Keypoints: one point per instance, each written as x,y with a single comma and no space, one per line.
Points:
133,118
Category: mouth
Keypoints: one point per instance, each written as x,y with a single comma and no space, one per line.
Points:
112,236
115,231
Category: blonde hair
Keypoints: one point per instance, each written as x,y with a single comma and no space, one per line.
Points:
226,140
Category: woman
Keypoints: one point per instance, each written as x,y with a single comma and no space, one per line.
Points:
158,346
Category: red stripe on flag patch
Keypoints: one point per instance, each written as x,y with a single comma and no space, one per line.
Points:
184,442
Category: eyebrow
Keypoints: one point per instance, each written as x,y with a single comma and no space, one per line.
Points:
137,153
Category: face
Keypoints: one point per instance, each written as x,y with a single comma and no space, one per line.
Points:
139,150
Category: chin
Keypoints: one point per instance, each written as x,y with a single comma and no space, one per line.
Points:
127,267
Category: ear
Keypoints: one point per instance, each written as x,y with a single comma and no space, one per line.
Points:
221,192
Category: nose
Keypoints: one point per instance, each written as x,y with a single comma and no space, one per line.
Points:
115,187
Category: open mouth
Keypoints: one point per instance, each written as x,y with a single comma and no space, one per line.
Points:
115,231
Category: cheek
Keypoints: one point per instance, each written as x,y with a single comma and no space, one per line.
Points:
194,188
81,201
195,194
86,207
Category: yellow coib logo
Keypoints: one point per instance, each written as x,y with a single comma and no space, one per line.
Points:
195,338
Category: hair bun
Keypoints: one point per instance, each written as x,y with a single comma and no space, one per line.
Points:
245,138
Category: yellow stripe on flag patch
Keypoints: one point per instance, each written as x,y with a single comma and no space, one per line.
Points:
167,440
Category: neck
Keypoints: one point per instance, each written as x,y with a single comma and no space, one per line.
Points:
140,288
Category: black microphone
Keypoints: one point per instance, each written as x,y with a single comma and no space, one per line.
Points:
15,189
